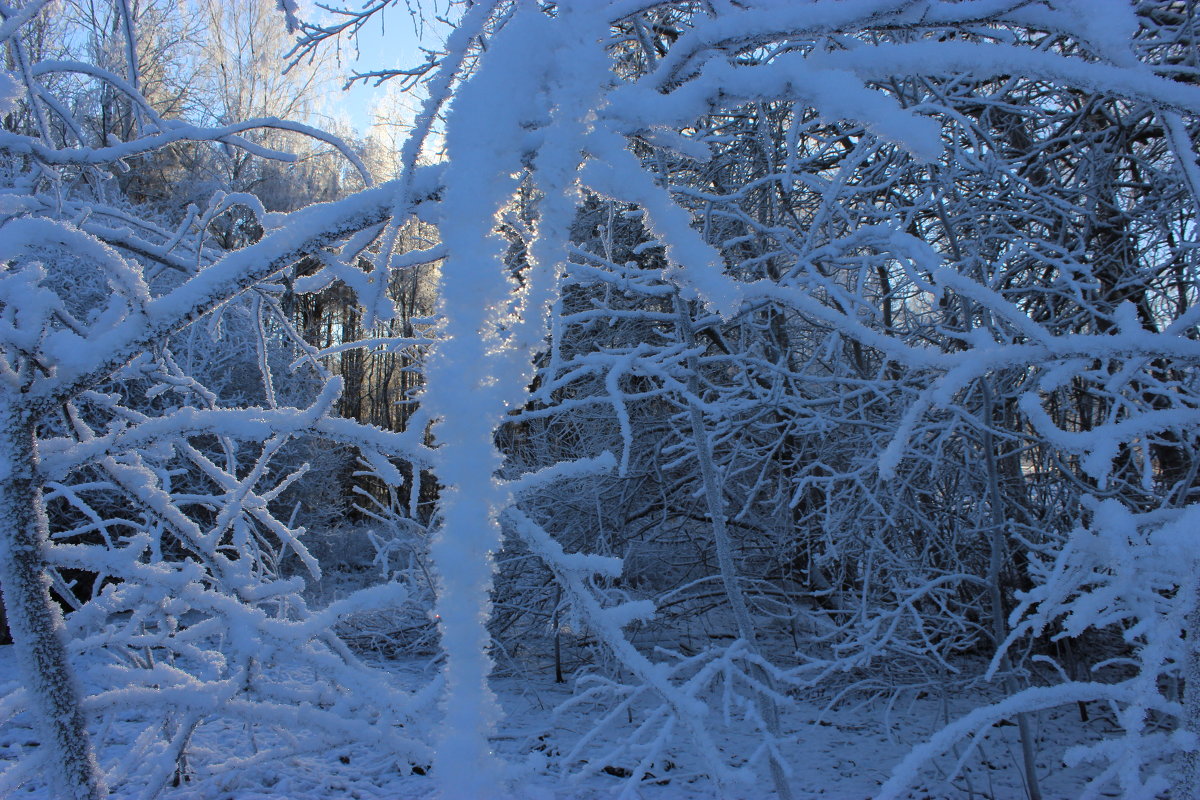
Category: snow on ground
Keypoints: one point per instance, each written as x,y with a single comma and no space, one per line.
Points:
846,752
842,753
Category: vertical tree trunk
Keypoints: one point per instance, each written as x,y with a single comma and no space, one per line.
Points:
35,620
715,499
1187,776
996,545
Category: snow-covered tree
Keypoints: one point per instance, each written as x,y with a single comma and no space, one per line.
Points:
849,193
143,481
875,318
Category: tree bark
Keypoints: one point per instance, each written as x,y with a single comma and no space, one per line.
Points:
36,622
1187,776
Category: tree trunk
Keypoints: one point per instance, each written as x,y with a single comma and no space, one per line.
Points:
1187,777
996,546
715,499
35,620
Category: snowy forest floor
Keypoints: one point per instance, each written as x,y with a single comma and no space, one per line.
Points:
844,752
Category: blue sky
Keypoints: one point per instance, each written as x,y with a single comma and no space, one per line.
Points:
392,44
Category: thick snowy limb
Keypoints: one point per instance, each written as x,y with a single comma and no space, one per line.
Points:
471,385
34,619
